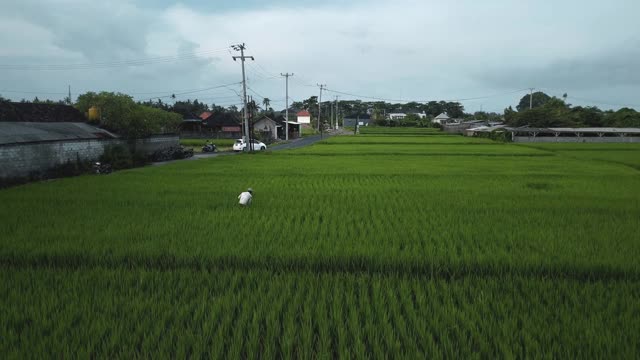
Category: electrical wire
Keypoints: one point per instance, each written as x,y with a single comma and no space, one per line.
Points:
194,91
111,64
421,101
602,102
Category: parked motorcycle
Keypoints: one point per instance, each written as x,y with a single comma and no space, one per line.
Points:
209,148
172,153
99,168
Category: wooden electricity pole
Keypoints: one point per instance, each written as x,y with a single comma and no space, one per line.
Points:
242,57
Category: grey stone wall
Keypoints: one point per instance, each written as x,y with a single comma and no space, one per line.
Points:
573,139
21,160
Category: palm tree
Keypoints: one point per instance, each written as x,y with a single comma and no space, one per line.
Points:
266,102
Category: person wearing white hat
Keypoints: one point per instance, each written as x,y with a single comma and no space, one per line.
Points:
246,197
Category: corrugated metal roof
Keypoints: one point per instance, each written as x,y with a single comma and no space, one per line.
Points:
606,130
598,130
23,132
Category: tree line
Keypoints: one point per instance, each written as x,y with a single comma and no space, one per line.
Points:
542,110
120,113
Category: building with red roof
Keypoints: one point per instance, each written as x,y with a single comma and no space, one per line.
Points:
205,115
304,117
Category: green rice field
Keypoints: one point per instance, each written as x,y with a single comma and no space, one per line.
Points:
393,243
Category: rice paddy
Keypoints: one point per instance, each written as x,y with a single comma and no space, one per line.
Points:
391,243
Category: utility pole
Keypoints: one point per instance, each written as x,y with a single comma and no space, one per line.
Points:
70,102
331,117
531,98
322,87
241,48
250,118
336,104
286,75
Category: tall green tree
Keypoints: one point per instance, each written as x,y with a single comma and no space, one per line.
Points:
625,117
454,109
539,99
120,114
266,102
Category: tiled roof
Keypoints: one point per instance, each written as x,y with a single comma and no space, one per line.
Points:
21,132
205,115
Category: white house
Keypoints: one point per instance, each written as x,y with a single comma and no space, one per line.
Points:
422,115
396,116
304,117
400,116
441,119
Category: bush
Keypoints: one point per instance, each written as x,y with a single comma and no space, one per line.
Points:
140,158
496,135
118,156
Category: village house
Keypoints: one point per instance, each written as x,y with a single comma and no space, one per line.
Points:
304,117
441,119
275,129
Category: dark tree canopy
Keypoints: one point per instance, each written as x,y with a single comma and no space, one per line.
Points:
539,99
555,112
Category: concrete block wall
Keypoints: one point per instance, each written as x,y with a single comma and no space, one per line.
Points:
22,160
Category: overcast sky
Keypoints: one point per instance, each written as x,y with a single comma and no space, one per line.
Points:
411,50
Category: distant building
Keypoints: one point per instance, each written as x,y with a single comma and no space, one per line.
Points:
275,129
442,119
396,116
35,139
224,125
268,127
190,126
304,117
205,115
361,120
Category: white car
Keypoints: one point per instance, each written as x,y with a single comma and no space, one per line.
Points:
240,145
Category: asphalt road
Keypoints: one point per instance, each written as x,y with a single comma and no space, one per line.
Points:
293,144
298,143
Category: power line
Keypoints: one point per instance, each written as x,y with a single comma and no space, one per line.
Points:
111,64
266,71
307,84
255,92
422,101
32,92
365,97
166,93
193,91
602,103
599,102
262,74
